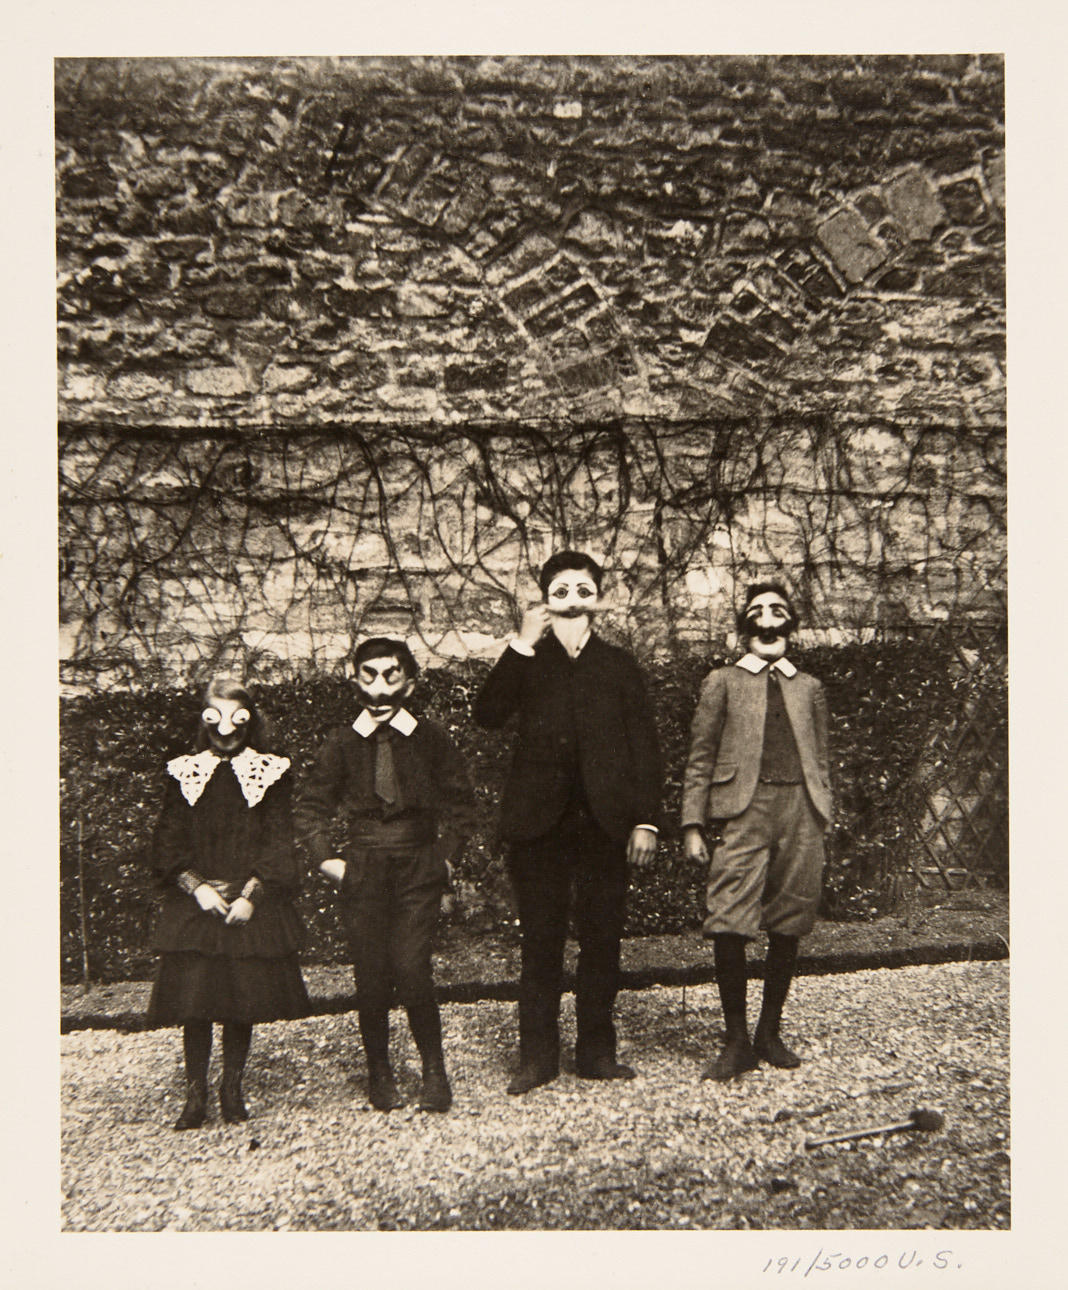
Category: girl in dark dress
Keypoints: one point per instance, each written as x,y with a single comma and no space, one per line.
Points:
228,934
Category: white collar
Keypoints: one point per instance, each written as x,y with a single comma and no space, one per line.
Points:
755,664
255,772
401,721
579,647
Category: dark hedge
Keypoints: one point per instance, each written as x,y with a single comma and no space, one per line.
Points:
892,703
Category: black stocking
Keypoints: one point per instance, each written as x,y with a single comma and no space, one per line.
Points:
778,974
425,1021
196,1043
731,978
236,1040
237,1036
374,1031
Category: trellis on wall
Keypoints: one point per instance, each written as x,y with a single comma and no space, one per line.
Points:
959,796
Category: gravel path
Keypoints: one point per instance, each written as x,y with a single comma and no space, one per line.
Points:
665,1151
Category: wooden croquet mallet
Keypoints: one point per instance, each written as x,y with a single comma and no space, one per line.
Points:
924,1121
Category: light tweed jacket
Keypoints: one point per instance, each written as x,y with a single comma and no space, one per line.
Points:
727,736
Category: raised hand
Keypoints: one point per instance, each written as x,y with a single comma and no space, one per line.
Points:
534,625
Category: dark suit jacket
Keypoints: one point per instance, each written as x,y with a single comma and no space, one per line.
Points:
340,784
727,737
599,702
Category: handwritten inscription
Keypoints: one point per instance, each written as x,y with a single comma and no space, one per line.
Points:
841,1261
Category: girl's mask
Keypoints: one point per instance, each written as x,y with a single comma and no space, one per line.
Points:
227,724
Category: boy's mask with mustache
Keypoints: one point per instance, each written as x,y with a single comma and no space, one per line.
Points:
767,623
572,594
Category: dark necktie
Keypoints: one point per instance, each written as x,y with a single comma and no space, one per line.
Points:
385,772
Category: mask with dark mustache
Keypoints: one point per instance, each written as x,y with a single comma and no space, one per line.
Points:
767,635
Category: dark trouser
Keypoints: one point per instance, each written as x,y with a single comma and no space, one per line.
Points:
389,904
576,850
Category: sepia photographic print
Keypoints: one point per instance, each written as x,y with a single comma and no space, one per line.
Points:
534,658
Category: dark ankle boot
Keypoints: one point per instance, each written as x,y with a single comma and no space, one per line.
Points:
532,1074
196,1105
382,1090
436,1092
231,1101
735,1058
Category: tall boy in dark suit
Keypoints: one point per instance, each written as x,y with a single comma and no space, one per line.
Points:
759,763
582,800
394,792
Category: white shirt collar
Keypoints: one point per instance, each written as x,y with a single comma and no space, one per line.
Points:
401,721
755,664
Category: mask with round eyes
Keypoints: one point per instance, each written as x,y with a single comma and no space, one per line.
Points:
383,684
572,594
767,624
227,723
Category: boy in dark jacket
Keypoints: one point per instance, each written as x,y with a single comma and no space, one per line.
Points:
582,800
759,764
384,811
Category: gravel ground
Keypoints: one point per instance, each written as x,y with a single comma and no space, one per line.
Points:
664,1151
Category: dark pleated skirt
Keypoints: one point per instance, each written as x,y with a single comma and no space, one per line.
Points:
201,987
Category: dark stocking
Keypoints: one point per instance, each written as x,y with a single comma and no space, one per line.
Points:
425,1021
731,978
196,1044
778,973
236,1037
381,1087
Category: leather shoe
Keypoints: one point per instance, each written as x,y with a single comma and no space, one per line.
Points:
532,1075
382,1091
231,1101
771,1049
436,1093
196,1106
603,1068
736,1057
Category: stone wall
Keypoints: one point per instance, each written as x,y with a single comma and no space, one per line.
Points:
350,345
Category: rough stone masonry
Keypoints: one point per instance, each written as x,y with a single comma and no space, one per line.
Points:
350,344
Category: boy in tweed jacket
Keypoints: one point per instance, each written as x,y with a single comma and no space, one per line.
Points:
759,765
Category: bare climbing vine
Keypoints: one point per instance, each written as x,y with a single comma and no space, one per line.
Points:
276,550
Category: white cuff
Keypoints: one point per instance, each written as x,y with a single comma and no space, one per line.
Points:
521,647
651,827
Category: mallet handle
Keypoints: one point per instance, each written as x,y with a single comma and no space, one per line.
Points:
862,1133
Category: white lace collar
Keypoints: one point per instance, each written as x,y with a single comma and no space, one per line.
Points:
255,772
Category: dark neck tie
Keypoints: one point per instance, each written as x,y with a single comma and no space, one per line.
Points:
385,772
